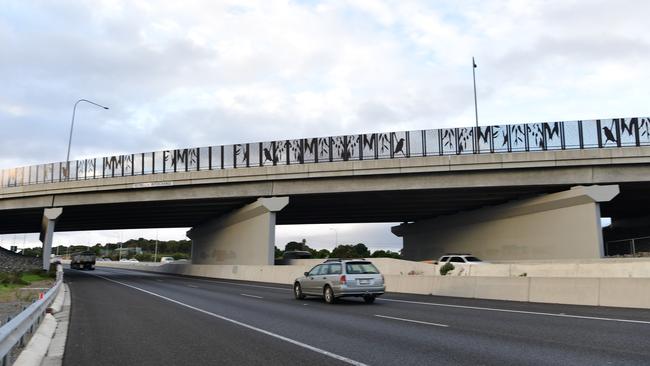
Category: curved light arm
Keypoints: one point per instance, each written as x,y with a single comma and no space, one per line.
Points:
74,110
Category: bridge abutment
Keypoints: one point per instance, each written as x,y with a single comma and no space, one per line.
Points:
563,225
244,236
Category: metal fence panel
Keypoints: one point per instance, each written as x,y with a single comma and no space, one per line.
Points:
644,131
310,150
415,143
607,133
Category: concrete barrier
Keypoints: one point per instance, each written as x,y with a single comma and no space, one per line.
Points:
422,285
500,288
603,268
625,292
578,291
618,292
454,286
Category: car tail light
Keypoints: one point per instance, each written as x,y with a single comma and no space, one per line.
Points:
342,279
382,279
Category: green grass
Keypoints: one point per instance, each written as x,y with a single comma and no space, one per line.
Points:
33,277
8,288
9,291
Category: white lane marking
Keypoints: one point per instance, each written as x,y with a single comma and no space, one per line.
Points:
243,284
274,335
257,297
520,311
411,320
193,286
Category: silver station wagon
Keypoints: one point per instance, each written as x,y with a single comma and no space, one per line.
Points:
340,278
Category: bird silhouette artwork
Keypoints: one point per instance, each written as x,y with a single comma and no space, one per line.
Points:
399,147
267,155
609,135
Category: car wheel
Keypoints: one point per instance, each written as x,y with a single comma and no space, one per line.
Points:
329,295
369,299
297,291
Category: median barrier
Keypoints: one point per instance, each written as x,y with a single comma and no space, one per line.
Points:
454,286
502,288
625,292
577,291
409,284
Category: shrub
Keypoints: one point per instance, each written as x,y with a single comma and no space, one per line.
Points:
11,278
446,268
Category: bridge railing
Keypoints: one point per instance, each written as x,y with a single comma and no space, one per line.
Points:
591,134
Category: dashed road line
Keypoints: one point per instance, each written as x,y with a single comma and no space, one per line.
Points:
411,321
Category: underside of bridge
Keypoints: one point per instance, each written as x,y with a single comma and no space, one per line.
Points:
628,209
356,207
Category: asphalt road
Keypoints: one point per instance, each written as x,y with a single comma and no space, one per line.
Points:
125,318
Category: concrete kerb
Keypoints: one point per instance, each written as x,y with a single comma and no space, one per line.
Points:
36,349
56,349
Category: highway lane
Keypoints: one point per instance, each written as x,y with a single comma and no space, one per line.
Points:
128,318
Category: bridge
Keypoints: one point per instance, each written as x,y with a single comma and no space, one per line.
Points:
522,191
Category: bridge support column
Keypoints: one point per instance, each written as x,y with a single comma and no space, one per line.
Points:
563,225
244,236
50,215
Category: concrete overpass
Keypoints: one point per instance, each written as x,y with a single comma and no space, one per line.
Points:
338,181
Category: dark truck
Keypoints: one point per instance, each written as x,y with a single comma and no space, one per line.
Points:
82,260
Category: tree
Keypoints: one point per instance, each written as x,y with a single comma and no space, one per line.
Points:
385,254
350,251
294,245
323,253
278,252
361,250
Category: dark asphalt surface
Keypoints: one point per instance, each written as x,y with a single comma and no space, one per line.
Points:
114,324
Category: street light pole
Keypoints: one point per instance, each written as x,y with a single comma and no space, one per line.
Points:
155,255
475,100
74,111
476,130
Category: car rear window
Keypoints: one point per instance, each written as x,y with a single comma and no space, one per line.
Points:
457,260
360,268
472,259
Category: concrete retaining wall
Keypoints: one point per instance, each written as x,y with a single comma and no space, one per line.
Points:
604,268
593,268
618,292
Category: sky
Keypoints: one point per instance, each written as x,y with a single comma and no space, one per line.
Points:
198,73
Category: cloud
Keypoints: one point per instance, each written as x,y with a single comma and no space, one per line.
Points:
197,73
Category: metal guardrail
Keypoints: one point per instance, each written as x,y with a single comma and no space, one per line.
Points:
13,332
591,134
